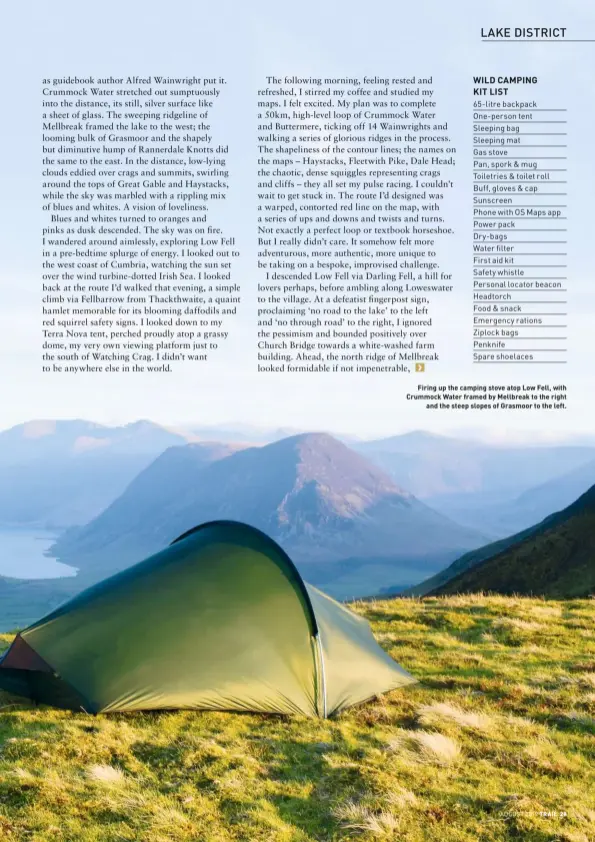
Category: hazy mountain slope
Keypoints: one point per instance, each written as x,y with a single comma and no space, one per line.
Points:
322,501
556,559
23,601
461,564
240,432
142,503
552,496
47,439
59,473
436,467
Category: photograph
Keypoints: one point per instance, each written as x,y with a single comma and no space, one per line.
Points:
297,450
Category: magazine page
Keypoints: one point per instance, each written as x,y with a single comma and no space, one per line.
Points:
297,458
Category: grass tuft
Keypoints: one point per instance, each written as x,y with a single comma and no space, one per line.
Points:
427,747
102,773
357,817
439,713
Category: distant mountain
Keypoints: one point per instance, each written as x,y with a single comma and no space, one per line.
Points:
328,506
555,558
140,507
58,473
24,601
533,505
46,439
431,466
472,482
239,433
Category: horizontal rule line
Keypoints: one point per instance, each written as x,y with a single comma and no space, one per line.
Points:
532,205
524,242
519,362
492,339
528,314
518,120
538,40
540,193
526,338
530,265
514,230
536,253
518,181
479,346
516,301
558,289
557,219
519,169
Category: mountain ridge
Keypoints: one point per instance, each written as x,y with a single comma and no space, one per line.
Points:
57,473
555,558
320,499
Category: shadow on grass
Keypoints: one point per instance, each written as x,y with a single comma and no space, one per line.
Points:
11,727
305,766
309,814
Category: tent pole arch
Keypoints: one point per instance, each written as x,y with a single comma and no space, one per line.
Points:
295,577
320,660
221,620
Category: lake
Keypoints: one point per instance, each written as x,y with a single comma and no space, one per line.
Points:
22,555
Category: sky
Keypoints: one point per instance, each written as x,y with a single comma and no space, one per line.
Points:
245,43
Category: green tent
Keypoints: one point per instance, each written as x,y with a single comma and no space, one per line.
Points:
221,619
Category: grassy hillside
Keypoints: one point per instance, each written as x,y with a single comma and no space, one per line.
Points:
495,743
23,601
465,562
555,559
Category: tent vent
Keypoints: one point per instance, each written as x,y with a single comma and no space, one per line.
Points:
21,656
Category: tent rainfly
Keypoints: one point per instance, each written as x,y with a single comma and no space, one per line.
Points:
221,620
